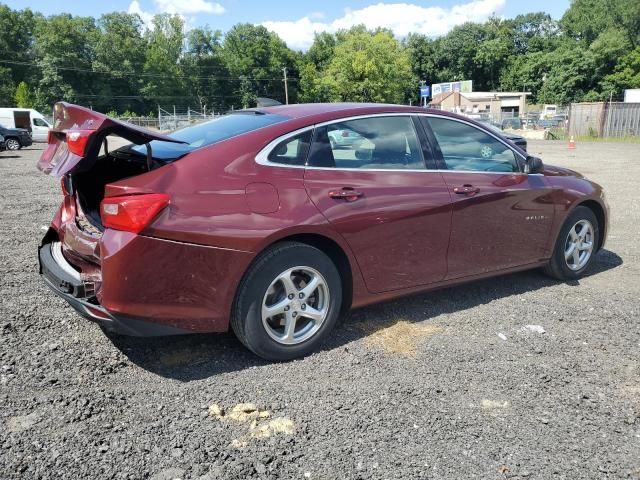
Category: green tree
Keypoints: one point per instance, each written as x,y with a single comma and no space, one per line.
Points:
23,97
63,48
425,55
626,75
207,77
16,43
585,20
533,32
119,56
474,51
162,77
7,88
258,55
314,61
368,67
610,46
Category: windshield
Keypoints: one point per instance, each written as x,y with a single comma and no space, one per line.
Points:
208,133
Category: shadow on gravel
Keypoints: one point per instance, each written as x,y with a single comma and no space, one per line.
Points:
187,357
198,356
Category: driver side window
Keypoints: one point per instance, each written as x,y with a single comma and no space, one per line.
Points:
467,148
38,122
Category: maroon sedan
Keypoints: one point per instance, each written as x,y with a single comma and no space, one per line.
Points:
258,221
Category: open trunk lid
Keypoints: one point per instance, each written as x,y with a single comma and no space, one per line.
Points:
77,135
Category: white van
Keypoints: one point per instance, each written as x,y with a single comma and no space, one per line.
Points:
27,118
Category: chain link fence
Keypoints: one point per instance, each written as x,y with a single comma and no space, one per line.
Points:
172,118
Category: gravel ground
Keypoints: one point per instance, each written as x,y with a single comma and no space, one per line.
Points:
450,384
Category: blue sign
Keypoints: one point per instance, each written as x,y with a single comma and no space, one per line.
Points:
425,91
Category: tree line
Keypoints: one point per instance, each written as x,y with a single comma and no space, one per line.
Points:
116,63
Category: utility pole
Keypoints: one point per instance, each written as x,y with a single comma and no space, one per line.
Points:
286,90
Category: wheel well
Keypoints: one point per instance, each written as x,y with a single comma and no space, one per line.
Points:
337,256
598,211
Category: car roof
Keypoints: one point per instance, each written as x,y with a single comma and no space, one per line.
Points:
303,110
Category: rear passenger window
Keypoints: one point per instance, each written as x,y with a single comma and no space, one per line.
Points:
468,148
293,150
368,143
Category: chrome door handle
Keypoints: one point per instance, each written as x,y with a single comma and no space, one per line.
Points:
347,193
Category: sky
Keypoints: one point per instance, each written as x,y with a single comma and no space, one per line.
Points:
296,21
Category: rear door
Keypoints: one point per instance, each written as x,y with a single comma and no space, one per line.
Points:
501,217
378,194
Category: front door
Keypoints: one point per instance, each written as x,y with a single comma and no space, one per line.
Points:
369,179
502,217
39,129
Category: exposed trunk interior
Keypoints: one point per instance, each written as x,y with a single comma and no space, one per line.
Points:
89,185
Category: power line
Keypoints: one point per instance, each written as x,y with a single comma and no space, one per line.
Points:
196,56
150,75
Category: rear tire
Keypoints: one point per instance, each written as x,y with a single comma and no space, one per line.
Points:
288,302
576,246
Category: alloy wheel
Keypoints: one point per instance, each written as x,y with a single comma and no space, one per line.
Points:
295,305
12,144
579,245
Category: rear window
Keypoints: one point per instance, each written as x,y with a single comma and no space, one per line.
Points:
208,133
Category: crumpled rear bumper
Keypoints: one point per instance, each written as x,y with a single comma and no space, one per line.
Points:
66,282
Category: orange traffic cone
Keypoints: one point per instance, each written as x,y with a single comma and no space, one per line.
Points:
572,143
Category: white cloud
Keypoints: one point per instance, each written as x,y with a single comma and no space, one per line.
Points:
187,7
183,8
401,18
134,7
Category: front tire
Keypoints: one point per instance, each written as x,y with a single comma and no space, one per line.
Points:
575,246
12,144
288,302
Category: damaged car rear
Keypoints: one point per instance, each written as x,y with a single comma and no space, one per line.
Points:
102,253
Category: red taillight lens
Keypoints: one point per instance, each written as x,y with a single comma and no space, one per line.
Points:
77,141
132,213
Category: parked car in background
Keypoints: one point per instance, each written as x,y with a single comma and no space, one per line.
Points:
345,138
16,138
2,145
517,139
531,119
550,122
513,123
28,119
255,221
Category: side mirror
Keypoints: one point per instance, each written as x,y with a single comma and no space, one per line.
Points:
533,165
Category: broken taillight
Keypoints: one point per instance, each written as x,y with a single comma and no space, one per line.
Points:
132,213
